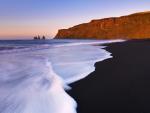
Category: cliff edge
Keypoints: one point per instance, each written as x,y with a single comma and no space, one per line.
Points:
134,26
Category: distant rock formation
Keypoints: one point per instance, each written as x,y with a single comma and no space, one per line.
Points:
43,38
39,38
35,38
134,26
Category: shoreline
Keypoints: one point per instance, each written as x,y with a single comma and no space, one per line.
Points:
120,84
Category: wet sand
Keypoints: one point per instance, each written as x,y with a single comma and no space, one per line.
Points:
118,85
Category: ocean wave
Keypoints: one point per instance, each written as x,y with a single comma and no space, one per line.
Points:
34,79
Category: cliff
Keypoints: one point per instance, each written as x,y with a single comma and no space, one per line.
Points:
134,26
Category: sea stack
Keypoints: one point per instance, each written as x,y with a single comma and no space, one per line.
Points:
134,26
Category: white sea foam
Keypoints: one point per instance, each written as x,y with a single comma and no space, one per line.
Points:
33,80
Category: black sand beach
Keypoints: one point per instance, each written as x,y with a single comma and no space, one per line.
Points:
118,85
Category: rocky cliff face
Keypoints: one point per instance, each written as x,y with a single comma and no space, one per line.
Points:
134,26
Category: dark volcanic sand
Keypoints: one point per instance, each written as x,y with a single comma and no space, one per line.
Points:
120,84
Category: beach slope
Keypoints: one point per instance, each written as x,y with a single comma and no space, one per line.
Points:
120,84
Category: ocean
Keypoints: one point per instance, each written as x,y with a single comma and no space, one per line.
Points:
34,74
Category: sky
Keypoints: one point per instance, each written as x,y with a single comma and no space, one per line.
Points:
27,18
